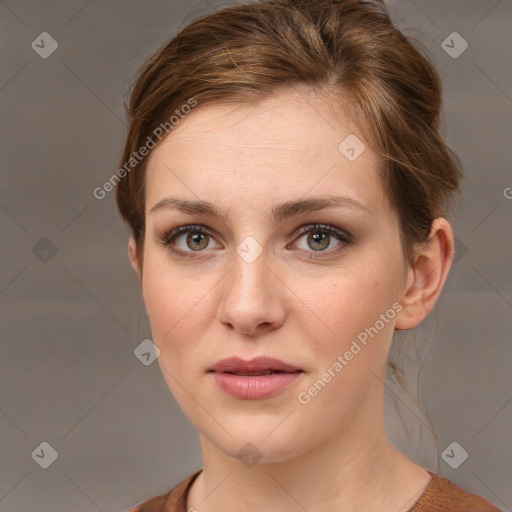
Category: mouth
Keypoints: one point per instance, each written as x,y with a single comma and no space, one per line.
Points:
256,374
252,385
253,368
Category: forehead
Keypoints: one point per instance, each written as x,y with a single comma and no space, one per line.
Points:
290,141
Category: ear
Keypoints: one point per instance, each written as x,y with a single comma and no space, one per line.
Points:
134,259
426,278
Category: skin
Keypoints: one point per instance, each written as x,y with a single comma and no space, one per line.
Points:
295,303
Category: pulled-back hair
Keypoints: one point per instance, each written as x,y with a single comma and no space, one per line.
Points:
347,49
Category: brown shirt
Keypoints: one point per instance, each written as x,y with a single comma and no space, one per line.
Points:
441,495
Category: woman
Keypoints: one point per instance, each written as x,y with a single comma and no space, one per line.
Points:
287,189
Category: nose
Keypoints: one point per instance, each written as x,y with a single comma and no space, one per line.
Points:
252,297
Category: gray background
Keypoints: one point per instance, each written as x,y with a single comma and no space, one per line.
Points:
71,321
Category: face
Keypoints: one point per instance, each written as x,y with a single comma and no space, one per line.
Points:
306,286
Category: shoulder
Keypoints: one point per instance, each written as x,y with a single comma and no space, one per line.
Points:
444,495
172,501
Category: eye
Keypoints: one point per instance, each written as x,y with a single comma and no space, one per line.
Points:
320,236
198,238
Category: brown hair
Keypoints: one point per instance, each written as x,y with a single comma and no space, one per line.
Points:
348,49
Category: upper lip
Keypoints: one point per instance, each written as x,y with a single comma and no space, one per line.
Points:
258,364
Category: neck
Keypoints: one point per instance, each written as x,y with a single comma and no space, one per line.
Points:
356,468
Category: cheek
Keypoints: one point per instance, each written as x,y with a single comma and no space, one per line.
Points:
347,361
178,309
352,301
357,332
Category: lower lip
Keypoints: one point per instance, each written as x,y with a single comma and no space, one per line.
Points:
255,387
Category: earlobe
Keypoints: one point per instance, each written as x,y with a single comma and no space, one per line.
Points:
134,260
426,278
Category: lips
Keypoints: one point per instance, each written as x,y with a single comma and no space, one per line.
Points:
258,379
254,374
253,367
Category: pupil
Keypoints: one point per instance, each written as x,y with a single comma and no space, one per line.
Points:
194,239
323,237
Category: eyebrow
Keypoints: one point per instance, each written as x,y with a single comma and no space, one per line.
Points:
279,212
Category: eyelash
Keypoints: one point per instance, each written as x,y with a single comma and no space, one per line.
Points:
168,238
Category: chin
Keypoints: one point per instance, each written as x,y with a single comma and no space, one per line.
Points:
267,445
